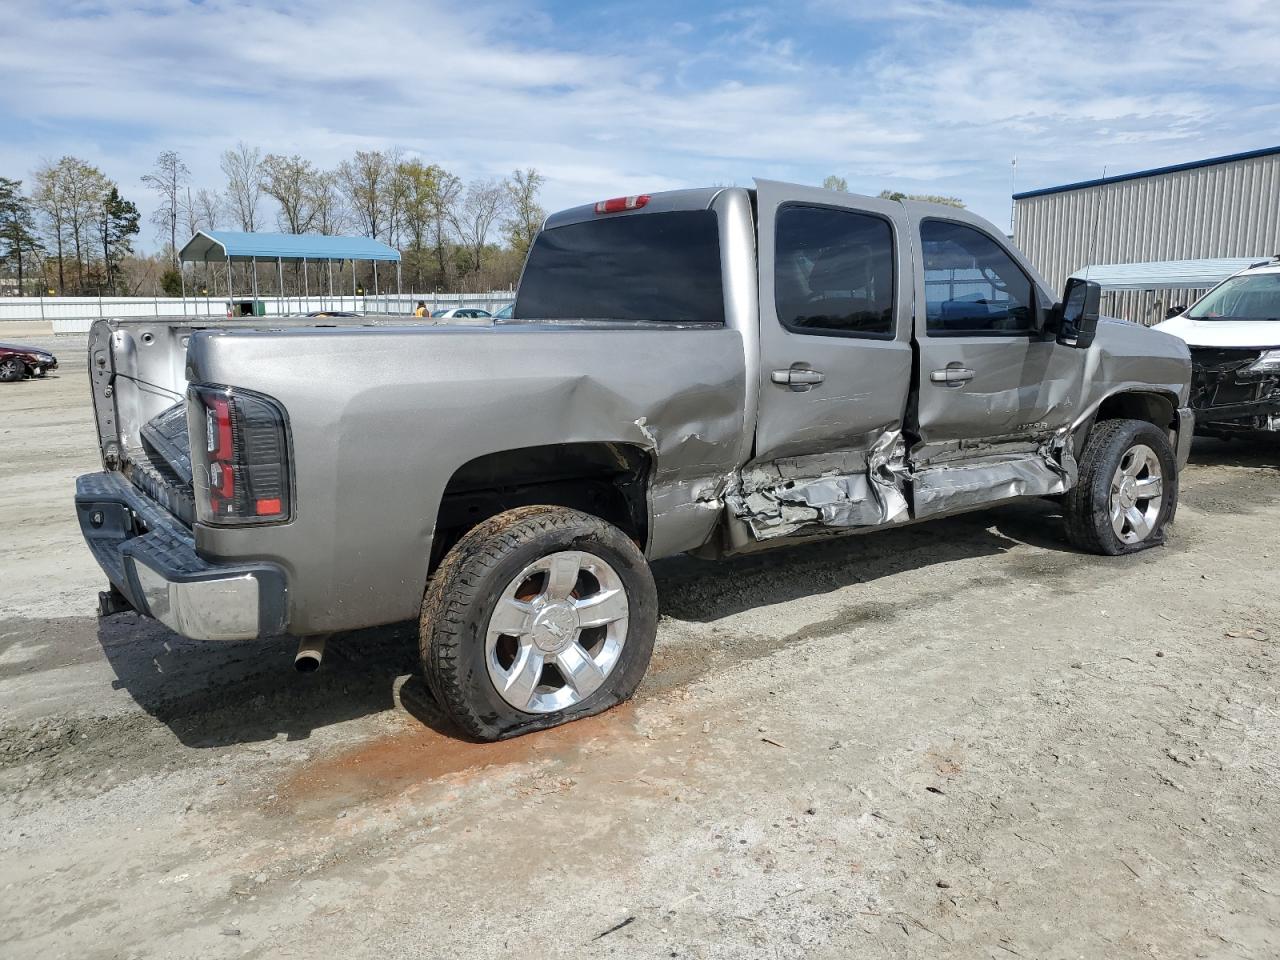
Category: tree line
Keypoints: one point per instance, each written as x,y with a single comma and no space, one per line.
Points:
841,185
73,232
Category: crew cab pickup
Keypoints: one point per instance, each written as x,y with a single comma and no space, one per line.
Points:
714,371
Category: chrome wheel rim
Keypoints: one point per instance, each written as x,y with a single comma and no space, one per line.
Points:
1137,494
557,632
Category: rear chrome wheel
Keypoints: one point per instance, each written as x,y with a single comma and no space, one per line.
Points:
1137,494
538,615
557,632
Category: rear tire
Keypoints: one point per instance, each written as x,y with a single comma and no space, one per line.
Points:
538,616
11,369
1127,490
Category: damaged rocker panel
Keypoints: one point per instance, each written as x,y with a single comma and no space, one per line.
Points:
848,488
874,485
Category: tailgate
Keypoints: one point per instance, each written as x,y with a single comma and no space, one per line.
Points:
137,370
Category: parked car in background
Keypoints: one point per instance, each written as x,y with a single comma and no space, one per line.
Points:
716,371
1233,332
18,362
506,313
461,313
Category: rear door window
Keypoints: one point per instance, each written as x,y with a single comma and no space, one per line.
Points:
652,266
972,286
833,272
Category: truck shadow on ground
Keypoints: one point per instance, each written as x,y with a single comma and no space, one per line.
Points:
1261,452
215,695
705,590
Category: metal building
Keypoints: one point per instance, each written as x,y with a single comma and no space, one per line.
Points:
1223,207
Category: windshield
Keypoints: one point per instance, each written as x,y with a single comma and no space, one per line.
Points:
652,266
1252,296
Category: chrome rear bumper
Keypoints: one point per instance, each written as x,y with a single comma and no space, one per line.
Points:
150,557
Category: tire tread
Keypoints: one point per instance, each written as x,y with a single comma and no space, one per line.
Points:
1081,504
458,583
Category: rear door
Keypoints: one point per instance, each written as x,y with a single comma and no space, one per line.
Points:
988,375
835,289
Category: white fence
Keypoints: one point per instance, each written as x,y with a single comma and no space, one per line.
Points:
76,314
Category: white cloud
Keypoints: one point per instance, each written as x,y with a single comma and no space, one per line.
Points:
929,95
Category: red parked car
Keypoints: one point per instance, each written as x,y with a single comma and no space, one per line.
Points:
18,362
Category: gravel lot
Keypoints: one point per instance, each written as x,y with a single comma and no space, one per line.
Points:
955,740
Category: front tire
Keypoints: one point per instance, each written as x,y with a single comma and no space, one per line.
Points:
1127,490
12,369
538,616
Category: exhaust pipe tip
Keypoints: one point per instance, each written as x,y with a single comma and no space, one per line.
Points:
310,653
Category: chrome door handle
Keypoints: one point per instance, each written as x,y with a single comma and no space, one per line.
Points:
952,376
798,378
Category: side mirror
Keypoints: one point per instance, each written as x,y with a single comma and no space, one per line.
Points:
1175,311
1081,305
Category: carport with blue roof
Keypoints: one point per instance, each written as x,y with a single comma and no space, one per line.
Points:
223,246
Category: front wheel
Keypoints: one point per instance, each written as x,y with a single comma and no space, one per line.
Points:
11,369
1127,491
538,616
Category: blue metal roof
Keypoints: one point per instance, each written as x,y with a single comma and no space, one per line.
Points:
1167,274
218,245
1155,171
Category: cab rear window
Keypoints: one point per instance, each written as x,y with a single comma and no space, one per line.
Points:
654,266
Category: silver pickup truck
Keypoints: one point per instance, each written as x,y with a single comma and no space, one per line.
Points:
716,371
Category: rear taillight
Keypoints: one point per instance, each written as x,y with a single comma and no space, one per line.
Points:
618,204
245,476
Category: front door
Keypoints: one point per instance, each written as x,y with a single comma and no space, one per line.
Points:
835,360
991,383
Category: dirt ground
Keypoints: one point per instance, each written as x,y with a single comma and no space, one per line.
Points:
955,740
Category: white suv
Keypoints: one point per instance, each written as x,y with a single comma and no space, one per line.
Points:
1234,335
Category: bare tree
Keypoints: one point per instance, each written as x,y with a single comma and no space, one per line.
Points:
86,191
482,207
364,180
200,212
526,215
70,194
167,178
243,169
51,202
328,211
839,184
288,181
190,214
209,208
395,194
444,207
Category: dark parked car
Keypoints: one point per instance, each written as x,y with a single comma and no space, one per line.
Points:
18,362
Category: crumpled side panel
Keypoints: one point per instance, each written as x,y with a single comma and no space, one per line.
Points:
846,488
1001,476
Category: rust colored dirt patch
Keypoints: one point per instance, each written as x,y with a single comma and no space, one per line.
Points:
419,756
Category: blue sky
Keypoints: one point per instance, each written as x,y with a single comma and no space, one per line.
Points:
609,98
